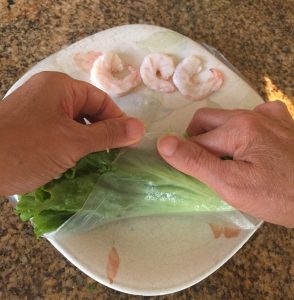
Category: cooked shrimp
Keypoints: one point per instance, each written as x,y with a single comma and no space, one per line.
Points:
184,79
102,75
156,71
85,60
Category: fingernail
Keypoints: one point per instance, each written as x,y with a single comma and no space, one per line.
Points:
135,129
167,145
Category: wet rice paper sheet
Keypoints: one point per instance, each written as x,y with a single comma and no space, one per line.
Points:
141,184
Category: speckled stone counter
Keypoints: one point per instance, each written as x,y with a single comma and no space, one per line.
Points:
255,36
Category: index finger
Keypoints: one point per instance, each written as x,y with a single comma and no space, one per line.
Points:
274,109
206,119
93,103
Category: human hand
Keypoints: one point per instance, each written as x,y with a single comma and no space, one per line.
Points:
42,133
260,178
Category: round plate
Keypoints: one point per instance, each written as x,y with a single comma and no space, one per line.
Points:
152,255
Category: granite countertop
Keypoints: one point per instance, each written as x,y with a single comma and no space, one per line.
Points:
255,36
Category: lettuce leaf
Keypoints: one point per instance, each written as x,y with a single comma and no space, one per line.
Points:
104,187
49,206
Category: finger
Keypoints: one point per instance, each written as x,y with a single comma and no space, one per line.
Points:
206,119
275,109
110,133
93,103
195,161
135,145
216,142
226,177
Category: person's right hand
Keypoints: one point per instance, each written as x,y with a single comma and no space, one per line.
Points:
260,178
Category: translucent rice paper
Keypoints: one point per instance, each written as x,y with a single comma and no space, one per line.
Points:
142,185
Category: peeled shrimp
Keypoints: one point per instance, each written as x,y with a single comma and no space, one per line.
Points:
102,75
184,79
156,71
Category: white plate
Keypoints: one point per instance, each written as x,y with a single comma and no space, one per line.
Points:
157,255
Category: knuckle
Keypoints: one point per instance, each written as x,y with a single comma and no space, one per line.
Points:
76,139
200,113
42,75
37,79
277,104
248,122
48,75
272,106
110,134
281,109
193,158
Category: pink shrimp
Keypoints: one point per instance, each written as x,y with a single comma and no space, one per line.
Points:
156,71
184,79
102,75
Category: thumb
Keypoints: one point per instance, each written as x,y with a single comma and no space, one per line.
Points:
111,133
222,176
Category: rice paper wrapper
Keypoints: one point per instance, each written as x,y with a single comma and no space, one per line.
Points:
142,184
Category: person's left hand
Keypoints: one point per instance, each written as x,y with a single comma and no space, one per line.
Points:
42,133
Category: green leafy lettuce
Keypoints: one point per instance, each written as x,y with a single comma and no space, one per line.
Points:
52,204
132,184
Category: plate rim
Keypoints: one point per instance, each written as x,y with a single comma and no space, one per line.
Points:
124,288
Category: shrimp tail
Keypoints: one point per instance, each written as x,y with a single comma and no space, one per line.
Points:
132,69
136,72
217,78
